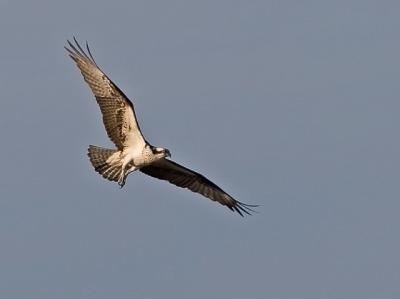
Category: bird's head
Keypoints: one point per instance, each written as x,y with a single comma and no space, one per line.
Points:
161,152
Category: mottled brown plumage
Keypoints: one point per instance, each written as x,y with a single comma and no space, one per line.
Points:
133,151
118,113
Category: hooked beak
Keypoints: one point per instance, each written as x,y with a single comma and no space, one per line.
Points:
167,153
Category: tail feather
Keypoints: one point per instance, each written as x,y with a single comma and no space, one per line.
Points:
98,157
114,174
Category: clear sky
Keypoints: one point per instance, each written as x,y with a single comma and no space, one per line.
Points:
293,105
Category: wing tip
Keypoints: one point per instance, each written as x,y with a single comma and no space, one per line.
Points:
76,51
243,209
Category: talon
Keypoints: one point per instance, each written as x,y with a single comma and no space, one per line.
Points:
121,180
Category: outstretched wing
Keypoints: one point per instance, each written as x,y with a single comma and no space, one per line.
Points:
118,113
185,178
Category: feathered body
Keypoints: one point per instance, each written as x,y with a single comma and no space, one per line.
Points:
132,151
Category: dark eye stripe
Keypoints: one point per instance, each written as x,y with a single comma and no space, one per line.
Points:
156,151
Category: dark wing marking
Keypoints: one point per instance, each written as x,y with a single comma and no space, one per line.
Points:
118,113
185,178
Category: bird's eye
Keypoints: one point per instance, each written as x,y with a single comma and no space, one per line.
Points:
157,150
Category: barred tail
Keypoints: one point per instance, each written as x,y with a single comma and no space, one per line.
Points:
98,157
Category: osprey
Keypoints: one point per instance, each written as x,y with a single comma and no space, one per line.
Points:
133,152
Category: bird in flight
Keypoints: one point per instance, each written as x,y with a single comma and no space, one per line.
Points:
133,152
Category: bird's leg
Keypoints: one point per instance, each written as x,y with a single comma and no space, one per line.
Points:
127,168
122,176
121,180
125,173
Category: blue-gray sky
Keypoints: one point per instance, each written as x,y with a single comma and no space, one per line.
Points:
292,105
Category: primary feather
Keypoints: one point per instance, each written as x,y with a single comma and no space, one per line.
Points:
133,151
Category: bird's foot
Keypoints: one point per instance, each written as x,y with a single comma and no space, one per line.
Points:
121,180
121,183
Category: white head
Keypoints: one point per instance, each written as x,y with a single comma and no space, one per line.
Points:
160,152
